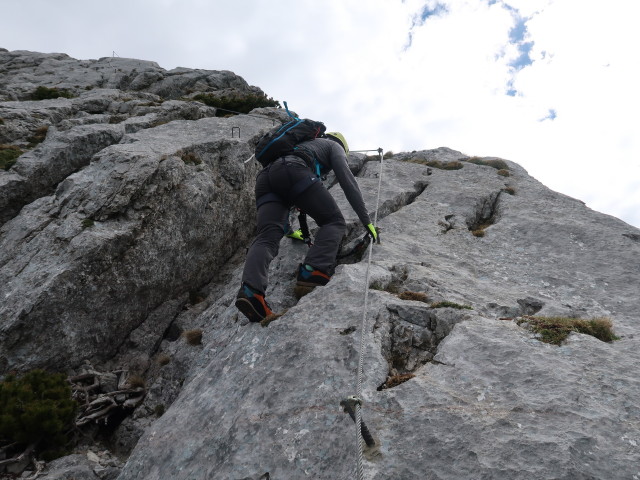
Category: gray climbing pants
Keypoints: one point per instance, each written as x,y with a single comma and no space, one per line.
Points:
277,189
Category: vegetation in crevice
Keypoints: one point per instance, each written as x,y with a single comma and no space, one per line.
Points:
190,158
46,93
454,165
9,155
494,163
193,337
38,136
447,304
395,380
486,215
236,103
415,296
163,359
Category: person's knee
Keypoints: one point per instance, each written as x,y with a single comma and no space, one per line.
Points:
270,231
334,219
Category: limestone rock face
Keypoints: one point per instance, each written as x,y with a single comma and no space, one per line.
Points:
22,71
123,244
485,398
140,225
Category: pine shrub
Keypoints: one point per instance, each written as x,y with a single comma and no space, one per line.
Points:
36,408
46,93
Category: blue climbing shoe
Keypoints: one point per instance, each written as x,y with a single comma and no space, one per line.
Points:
252,304
309,276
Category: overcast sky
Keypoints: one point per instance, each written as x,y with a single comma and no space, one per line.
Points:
550,84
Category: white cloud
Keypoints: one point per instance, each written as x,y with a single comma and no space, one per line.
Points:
346,62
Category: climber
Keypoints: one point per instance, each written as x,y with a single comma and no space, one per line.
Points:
290,180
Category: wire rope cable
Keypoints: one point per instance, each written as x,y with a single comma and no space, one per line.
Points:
363,326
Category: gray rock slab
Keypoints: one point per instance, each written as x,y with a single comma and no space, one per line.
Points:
22,71
37,172
494,403
88,285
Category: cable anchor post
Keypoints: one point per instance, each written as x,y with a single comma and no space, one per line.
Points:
349,406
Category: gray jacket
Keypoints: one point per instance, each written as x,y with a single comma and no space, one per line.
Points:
331,156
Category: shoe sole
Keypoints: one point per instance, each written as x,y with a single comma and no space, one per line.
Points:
248,311
302,283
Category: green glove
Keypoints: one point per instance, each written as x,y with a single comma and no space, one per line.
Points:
371,230
297,235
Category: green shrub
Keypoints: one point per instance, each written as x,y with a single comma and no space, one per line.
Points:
504,172
495,163
236,103
87,223
36,408
46,93
509,190
8,155
555,330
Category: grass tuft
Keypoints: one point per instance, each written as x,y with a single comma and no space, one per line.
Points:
193,337
163,359
9,155
38,136
446,304
555,330
391,287
136,381
190,158
416,296
395,380
497,164
455,165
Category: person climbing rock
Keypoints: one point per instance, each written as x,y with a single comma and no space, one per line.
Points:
294,180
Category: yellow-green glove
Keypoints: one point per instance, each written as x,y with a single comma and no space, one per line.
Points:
371,230
297,235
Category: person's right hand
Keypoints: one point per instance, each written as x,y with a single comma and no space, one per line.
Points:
373,231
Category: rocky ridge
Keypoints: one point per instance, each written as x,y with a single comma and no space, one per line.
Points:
118,240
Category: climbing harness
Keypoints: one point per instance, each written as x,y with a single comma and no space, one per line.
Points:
355,401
